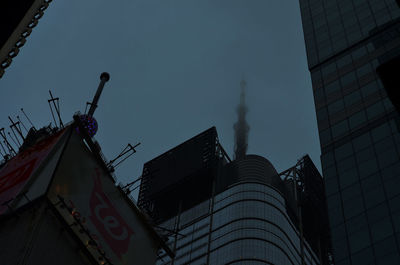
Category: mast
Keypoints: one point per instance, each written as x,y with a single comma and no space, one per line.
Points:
241,127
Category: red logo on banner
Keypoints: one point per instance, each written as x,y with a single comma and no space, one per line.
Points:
11,183
107,220
16,173
17,176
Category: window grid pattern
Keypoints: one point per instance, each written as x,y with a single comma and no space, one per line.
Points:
362,184
354,98
249,223
331,26
346,40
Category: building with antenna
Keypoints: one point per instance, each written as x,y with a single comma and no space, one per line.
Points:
59,202
212,210
215,211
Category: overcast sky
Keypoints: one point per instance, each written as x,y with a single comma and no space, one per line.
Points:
175,71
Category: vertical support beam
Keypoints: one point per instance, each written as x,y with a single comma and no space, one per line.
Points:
176,231
299,214
212,200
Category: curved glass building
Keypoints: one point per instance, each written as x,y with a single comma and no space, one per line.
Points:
246,221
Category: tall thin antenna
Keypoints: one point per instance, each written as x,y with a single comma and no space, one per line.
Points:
16,142
16,126
122,156
104,77
56,105
5,141
241,127
33,126
7,148
127,187
52,114
22,123
4,152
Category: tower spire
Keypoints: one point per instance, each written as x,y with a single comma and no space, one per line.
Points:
241,127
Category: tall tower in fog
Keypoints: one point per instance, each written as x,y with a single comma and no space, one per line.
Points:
217,211
241,127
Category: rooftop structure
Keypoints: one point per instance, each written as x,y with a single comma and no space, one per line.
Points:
217,211
59,202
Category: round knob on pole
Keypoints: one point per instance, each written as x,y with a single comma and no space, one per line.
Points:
105,76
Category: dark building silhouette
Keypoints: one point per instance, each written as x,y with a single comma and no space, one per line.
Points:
18,18
59,202
56,195
346,41
181,177
217,211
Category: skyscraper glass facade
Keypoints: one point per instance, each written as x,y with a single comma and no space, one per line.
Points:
246,223
346,40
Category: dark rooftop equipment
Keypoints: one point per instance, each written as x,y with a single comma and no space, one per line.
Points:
311,214
184,175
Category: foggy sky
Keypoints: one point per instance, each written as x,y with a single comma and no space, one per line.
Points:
175,71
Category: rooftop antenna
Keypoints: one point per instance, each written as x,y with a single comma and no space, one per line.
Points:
6,142
87,120
241,127
19,120
56,105
127,187
3,151
122,156
9,154
23,112
17,143
16,126
104,77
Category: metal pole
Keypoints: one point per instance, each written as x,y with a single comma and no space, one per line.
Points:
212,202
33,126
176,231
104,77
299,215
14,124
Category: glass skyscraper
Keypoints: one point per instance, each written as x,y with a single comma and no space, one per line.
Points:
346,40
247,223
212,210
